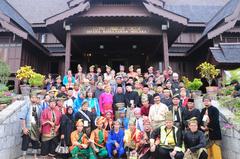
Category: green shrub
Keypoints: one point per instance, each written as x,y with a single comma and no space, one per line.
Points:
36,80
4,72
195,84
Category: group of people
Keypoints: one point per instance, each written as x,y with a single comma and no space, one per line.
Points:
119,115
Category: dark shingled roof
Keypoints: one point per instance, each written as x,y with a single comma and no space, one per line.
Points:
199,14
9,11
226,53
195,10
227,10
36,11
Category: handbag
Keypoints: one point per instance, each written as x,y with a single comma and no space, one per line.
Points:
62,149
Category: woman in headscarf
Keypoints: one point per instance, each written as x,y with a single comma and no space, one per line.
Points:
67,127
78,102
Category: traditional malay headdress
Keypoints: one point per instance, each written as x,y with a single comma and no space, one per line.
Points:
79,123
99,120
169,116
191,100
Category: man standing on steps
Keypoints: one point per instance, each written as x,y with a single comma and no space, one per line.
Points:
210,125
30,122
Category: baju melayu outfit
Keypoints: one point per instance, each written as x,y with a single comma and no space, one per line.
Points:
49,133
31,116
196,142
78,152
170,139
114,137
100,136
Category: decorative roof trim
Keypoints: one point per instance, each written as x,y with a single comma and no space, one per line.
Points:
166,14
14,29
221,29
61,16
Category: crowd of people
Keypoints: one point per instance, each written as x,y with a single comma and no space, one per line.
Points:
126,114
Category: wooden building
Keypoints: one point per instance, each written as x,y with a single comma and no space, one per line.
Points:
54,35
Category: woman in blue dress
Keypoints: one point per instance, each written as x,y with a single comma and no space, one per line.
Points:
93,103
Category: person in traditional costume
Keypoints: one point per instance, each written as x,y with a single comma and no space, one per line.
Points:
93,105
151,71
115,144
210,125
99,90
108,75
60,104
30,123
177,112
118,101
78,102
157,112
99,138
45,102
122,117
144,147
67,126
132,100
183,97
145,107
121,72
50,122
145,93
132,138
91,75
139,119
79,76
169,145
190,111
70,98
167,99
80,148
68,78
119,83
76,90
58,83
139,76
108,122
49,82
131,72
106,100
87,117
175,83
194,141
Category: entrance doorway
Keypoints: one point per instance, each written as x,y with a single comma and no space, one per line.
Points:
115,50
115,63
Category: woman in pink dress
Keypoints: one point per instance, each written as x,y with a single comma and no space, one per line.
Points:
106,100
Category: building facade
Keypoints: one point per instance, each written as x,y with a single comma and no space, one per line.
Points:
57,35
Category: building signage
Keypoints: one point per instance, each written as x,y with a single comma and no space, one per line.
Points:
117,30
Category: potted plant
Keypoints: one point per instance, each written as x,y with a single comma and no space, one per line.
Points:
24,74
194,87
209,72
36,81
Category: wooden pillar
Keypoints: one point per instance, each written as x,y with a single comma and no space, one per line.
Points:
165,50
68,51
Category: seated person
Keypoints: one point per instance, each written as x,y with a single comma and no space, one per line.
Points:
170,143
80,145
144,147
194,141
132,137
98,138
114,144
